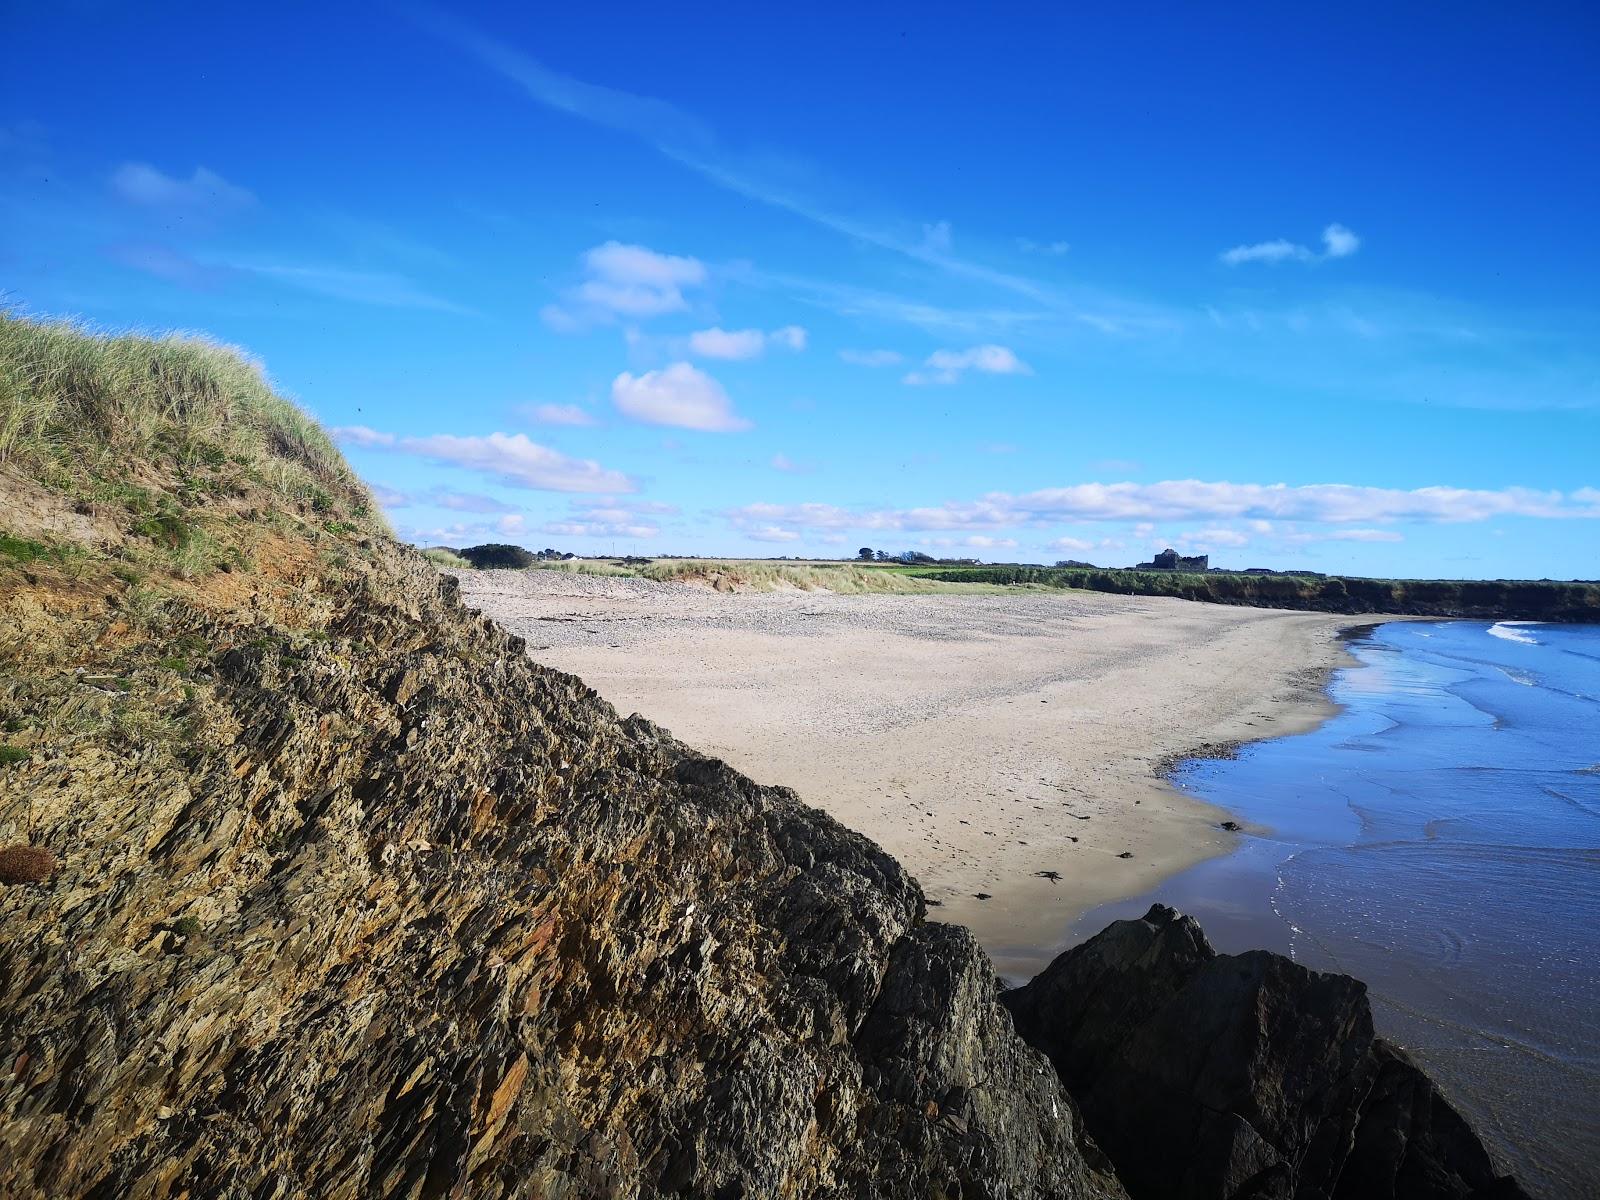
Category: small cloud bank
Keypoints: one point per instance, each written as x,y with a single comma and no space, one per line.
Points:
948,366
512,459
740,344
1337,242
623,281
680,395
470,502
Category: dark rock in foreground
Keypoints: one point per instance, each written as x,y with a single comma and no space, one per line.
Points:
1242,1077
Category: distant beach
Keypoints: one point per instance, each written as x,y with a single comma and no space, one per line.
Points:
1011,746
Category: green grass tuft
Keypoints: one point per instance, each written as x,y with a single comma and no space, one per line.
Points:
22,550
10,755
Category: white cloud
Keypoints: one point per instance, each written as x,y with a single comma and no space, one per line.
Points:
771,533
559,414
947,366
740,344
1069,543
729,344
1051,249
389,497
140,183
361,435
465,501
872,358
436,497
599,529
511,459
679,395
1274,251
611,518
625,281
1345,535
979,541
1216,537
1337,242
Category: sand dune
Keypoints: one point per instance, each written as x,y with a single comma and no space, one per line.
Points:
982,739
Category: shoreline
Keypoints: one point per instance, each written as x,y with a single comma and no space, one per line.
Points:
1009,750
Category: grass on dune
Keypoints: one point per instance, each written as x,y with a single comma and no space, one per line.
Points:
173,439
78,406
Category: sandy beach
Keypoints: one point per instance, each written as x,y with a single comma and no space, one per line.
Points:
984,740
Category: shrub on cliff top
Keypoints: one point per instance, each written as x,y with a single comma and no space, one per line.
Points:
26,864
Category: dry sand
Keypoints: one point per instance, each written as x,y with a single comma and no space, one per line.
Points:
980,739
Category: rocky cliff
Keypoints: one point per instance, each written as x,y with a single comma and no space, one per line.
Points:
356,900
313,884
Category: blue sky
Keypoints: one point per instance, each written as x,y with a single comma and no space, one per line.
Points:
1305,287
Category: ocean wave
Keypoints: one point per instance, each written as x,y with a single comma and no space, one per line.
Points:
1512,631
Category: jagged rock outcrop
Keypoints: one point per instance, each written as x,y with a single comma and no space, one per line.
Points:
1242,1077
353,899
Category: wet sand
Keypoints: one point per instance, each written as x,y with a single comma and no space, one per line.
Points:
983,740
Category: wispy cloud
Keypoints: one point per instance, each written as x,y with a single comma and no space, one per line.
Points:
204,190
948,366
380,288
1048,249
680,395
686,139
169,264
1337,242
511,459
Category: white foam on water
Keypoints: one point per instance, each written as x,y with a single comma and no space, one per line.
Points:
1511,631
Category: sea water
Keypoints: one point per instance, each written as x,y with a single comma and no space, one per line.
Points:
1439,839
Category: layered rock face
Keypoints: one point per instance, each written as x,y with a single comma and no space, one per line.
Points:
1242,1076
352,899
